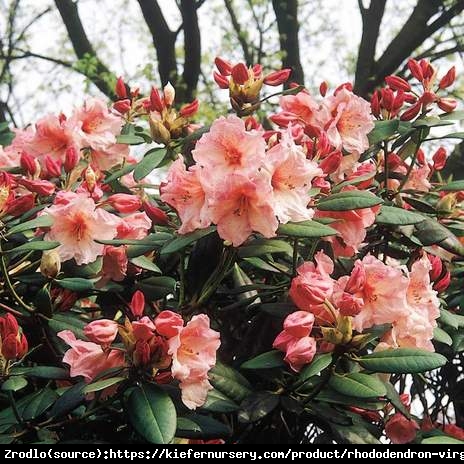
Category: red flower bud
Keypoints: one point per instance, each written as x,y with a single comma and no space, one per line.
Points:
410,98
415,69
52,166
420,157
42,187
13,343
394,161
224,67
221,81
283,119
411,112
157,215
323,88
447,104
257,70
120,88
398,101
122,106
240,73
442,284
137,304
398,83
251,123
427,69
124,202
20,205
277,77
448,79
142,353
331,163
439,159
427,98
71,159
187,111
387,99
156,102
28,163
375,104
437,267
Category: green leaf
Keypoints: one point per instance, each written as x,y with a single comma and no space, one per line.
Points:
453,135
129,139
257,406
355,435
41,221
267,360
455,186
150,161
69,400
441,336
431,121
119,173
430,232
390,215
262,247
229,381
358,385
216,401
453,116
402,361
37,245
39,403
394,397
441,440
383,130
157,287
306,229
451,319
347,201
102,384
14,383
318,364
145,263
183,241
68,321
199,426
152,240
152,413
42,372
76,284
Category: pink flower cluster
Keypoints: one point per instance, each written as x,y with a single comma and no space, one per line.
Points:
189,350
374,293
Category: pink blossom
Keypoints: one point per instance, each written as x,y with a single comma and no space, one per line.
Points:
110,156
193,352
168,323
300,352
77,224
242,206
291,176
114,264
144,329
134,226
304,109
102,331
228,147
419,179
8,158
87,359
184,192
12,153
351,121
299,324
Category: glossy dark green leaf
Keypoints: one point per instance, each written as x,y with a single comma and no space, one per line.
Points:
36,245
383,130
267,360
42,372
306,229
183,241
42,401
230,382
257,406
145,263
217,401
14,383
157,287
391,215
42,221
129,139
349,200
76,284
150,161
358,385
261,247
199,426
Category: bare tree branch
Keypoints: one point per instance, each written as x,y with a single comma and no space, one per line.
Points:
239,31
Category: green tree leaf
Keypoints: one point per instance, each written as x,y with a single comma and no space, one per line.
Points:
306,229
14,384
347,201
150,161
41,221
358,385
390,215
267,360
262,247
183,241
230,382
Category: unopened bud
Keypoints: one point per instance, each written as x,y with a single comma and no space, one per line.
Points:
50,264
169,94
448,79
122,106
120,88
398,83
323,88
277,77
28,163
439,159
447,104
240,73
187,111
221,81
415,69
71,159
155,100
224,67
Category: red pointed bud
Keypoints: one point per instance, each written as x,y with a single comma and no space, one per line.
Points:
410,98
156,102
20,205
442,284
411,112
157,215
398,101
257,70
331,163
277,77
375,104
240,73
415,69
137,304
323,87
251,123
398,83
394,161
439,159
124,202
120,88
42,187
437,267
224,67
122,106
187,111
142,353
52,166
28,163
448,79
387,98
428,98
420,157
283,119
221,81
447,104
71,159
427,69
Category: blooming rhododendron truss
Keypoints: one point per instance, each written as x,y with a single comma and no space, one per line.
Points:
289,271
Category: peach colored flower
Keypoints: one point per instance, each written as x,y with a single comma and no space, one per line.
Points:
168,323
419,179
228,147
193,350
305,109
87,359
351,121
77,224
184,192
241,206
144,329
102,331
291,176
8,158
114,265
134,226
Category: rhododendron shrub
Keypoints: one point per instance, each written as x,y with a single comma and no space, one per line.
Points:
289,272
